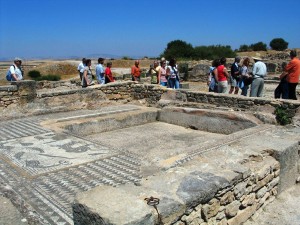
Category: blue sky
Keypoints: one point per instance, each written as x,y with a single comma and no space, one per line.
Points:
62,28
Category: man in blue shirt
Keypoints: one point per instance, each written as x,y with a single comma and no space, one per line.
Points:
100,71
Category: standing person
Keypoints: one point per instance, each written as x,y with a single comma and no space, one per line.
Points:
173,75
108,74
136,71
222,76
235,76
154,72
80,67
87,77
259,71
246,79
100,71
282,90
293,72
162,74
15,72
213,76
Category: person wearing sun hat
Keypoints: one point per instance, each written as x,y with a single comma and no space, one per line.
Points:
15,70
259,71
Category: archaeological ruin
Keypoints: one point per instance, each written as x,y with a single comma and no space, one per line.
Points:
136,153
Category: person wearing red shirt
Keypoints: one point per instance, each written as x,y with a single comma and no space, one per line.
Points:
222,76
293,72
108,74
136,71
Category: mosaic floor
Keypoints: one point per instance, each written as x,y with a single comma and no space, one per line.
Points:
47,169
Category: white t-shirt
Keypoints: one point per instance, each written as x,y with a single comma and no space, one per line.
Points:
16,70
80,67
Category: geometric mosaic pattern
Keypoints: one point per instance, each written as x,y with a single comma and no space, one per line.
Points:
20,128
46,169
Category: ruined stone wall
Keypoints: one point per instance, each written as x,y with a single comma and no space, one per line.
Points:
197,197
238,203
25,93
8,96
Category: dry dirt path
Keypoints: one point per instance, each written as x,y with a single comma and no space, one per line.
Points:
284,210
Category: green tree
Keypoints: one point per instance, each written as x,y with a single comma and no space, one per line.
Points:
178,49
259,46
213,52
279,44
244,48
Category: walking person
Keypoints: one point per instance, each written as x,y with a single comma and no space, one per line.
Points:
136,71
80,67
246,78
173,75
100,71
293,72
213,76
282,90
162,74
235,76
222,76
259,71
87,77
15,72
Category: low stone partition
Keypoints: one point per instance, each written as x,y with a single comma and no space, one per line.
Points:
195,194
8,96
25,95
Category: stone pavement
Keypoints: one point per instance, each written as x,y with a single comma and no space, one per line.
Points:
9,215
43,165
41,171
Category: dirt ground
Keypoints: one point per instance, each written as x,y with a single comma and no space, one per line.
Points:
284,210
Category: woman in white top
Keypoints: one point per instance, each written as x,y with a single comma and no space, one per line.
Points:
173,75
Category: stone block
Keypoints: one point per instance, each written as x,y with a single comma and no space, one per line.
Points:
232,209
263,182
243,215
209,211
240,189
227,198
261,192
248,200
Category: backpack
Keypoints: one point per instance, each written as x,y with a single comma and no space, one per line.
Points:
8,74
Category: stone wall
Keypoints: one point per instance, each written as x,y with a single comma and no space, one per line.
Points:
238,203
187,196
8,96
25,95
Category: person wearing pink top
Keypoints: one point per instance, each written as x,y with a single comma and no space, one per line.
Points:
222,76
162,74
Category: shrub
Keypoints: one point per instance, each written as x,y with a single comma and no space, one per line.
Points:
213,52
49,77
34,74
259,46
244,48
282,116
279,44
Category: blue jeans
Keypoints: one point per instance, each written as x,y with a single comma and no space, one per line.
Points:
165,84
101,79
173,83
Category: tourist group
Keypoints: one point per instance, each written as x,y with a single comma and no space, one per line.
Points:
241,77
